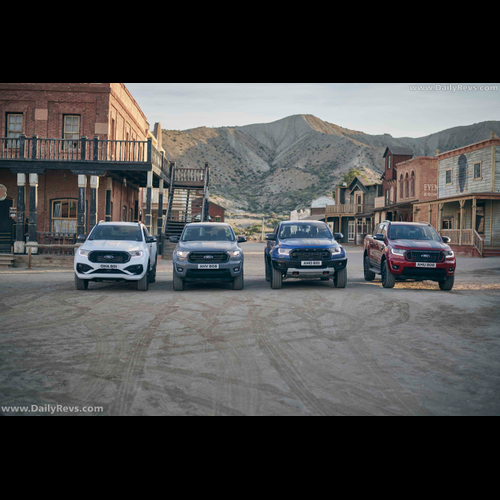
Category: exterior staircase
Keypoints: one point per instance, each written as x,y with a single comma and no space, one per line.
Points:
7,260
491,251
187,202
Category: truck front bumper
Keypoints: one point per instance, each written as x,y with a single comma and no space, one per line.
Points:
403,269
294,269
191,272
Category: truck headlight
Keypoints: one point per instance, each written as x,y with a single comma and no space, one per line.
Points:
138,253
235,254
83,253
182,255
284,251
335,250
398,251
449,254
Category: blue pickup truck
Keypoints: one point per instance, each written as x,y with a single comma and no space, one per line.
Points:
304,250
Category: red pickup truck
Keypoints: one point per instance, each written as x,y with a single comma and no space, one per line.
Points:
401,251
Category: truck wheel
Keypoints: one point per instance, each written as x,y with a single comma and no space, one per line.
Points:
268,271
143,283
81,284
388,279
369,275
276,279
239,283
447,284
340,279
152,275
178,283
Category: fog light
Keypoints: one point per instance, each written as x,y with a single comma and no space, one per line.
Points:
236,269
83,268
396,268
452,270
179,269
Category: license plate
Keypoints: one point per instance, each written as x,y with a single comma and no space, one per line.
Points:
108,266
426,264
312,263
208,266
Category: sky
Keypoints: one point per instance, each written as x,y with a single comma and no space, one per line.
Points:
374,108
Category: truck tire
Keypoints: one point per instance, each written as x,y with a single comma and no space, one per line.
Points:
143,283
388,279
81,284
152,274
268,270
340,279
369,275
239,283
178,283
276,279
447,284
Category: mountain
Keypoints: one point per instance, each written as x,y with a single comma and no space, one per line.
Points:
283,165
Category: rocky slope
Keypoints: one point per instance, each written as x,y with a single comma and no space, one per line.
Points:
283,165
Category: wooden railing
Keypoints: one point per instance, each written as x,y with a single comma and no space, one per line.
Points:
348,209
56,243
183,174
478,243
459,237
83,149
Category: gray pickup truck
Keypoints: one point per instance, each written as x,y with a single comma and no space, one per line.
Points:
208,252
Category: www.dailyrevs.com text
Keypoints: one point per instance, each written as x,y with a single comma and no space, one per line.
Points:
51,409
459,87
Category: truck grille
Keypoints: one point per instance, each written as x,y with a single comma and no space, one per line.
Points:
208,257
419,256
109,257
310,254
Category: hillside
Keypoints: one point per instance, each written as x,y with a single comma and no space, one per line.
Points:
283,165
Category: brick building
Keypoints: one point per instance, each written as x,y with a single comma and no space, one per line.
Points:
467,208
71,154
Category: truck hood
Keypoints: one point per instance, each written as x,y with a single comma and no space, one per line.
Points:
308,243
420,245
201,246
113,246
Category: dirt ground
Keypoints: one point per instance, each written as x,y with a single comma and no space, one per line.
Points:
308,349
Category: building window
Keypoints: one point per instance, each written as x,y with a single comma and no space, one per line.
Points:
407,186
64,213
447,223
124,214
389,162
478,174
14,128
448,177
71,131
412,185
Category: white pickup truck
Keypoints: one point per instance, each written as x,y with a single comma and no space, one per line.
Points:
116,251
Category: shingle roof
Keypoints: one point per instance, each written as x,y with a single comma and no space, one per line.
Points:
398,151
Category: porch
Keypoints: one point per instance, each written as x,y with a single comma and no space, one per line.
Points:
472,222
71,167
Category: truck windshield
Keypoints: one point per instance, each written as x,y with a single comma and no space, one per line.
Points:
305,230
409,232
208,233
116,233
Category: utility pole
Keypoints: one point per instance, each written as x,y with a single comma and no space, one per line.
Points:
263,232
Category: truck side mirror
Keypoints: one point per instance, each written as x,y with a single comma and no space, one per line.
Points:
242,239
379,237
174,239
270,237
338,236
151,239
82,238
446,239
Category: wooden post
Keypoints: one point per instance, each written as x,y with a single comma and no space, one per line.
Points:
81,209
160,208
149,193
94,186
440,218
462,203
33,178
21,207
29,257
109,188
474,214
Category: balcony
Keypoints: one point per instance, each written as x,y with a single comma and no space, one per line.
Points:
348,209
97,156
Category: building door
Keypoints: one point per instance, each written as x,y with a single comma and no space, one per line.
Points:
480,213
351,229
6,224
